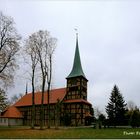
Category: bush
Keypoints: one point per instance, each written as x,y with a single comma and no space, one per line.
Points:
135,119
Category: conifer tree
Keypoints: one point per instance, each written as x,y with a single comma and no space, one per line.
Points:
116,108
3,100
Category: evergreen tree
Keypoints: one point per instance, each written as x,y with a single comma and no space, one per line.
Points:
116,108
3,100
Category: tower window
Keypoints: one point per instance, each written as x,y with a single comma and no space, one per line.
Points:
74,88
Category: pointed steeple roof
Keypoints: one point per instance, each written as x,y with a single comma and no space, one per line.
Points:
77,67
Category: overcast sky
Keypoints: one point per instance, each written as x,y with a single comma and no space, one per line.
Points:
109,42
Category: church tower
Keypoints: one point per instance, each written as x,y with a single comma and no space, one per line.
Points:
76,107
76,80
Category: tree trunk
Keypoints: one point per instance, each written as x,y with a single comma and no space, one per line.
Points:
33,117
57,114
42,105
33,103
48,105
49,85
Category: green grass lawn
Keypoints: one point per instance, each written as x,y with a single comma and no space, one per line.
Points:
68,133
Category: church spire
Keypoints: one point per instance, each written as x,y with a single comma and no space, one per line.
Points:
77,67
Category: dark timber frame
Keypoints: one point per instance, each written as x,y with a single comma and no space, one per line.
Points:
74,108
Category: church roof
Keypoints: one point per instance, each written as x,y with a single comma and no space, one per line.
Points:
55,94
26,100
77,101
12,112
77,67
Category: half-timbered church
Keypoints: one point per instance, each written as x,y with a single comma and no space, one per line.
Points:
74,109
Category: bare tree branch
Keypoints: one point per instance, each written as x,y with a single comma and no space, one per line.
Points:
44,46
9,47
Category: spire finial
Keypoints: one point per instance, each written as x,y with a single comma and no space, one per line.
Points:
76,30
26,88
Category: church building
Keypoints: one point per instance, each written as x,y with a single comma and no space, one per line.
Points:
74,109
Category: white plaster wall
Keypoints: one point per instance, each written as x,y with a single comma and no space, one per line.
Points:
15,121
4,121
10,121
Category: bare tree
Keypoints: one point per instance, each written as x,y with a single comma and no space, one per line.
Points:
131,105
45,46
97,112
51,47
32,53
15,98
9,46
